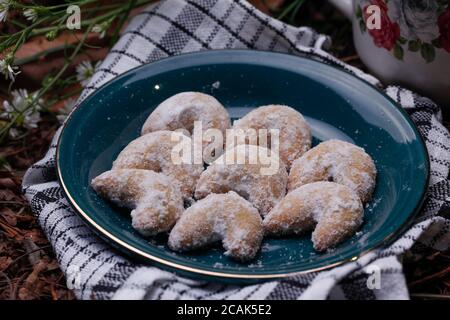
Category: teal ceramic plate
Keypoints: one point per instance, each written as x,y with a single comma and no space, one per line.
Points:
335,103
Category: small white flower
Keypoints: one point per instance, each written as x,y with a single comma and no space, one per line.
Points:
14,133
97,28
4,7
31,14
85,71
66,110
19,102
31,119
7,70
100,29
19,109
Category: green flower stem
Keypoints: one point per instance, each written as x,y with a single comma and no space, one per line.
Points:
5,129
292,7
294,13
14,38
106,16
42,53
19,5
102,8
55,17
78,3
17,23
83,23
68,95
64,96
123,18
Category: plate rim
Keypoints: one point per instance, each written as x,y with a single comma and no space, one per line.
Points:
121,245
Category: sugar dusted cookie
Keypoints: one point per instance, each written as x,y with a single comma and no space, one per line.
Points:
153,151
261,183
332,210
336,161
294,131
154,198
182,110
220,217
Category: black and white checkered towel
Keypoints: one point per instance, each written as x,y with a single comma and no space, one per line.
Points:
171,27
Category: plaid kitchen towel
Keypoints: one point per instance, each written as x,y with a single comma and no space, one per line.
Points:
97,271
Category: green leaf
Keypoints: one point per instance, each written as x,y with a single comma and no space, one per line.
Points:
428,53
414,45
398,52
358,12
436,43
402,40
362,25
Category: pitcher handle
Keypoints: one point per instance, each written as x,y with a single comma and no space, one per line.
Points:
345,6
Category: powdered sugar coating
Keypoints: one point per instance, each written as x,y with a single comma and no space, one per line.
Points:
295,133
334,211
227,217
337,161
154,198
183,109
153,152
262,190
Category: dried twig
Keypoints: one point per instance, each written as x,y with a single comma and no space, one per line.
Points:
430,277
430,296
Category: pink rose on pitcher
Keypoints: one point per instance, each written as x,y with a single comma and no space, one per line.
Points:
444,29
389,33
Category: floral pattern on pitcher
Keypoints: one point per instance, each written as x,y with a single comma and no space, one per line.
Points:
421,26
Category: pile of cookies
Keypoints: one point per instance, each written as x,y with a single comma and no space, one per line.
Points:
322,189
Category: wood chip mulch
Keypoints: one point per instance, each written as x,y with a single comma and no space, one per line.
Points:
28,269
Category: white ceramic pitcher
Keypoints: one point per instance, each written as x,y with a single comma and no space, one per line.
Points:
412,45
